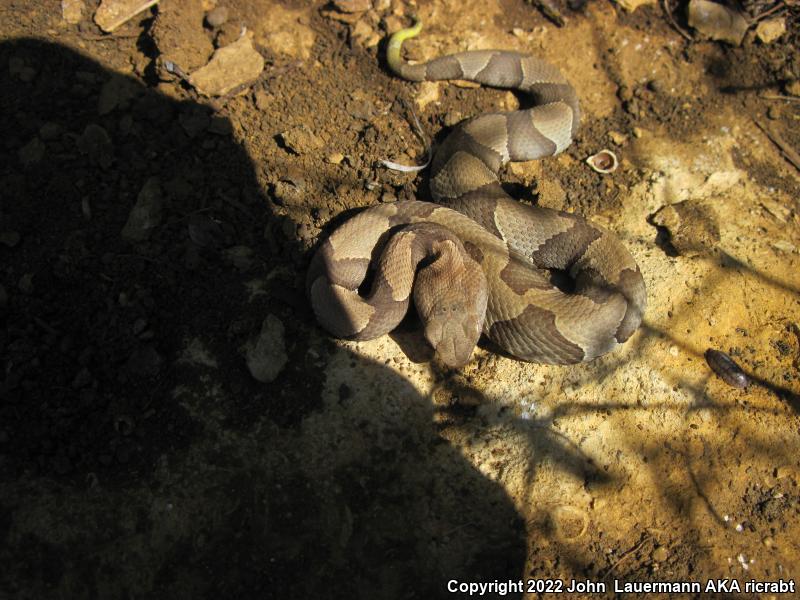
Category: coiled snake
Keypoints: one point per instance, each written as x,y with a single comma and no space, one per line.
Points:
478,261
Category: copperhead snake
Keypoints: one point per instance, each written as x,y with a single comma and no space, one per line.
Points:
478,261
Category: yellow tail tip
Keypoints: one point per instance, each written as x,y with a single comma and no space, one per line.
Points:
395,44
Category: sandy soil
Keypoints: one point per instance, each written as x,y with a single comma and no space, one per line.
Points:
139,457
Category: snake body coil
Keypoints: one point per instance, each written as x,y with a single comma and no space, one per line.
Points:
486,259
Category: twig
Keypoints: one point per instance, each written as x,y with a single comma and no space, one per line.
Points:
779,97
779,6
549,10
647,537
788,152
674,23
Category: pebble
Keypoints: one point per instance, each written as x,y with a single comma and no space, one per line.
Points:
50,131
335,158
144,361
770,30
32,152
352,6
9,238
72,11
217,16
300,140
146,214
25,283
660,554
82,379
266,354
96,143
230,68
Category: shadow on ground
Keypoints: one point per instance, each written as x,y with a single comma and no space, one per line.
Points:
138,456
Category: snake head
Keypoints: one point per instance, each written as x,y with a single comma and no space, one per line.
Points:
452,305
453,331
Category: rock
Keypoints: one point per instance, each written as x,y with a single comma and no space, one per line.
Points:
233,66
144,361
72,11
113,13
365,35
194,121
82,379
240,256
770,30
717,22
50,131
32,152
117,92
96,143
266,354
9,238
793,88
693,227
300,140
632,5
146,213
660,554
352,6
25,283
217,16
335,158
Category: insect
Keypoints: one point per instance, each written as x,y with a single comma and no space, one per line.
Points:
727,369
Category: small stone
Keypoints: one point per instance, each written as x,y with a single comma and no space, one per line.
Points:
82,379
27,74
352,6
365,35
793,88
240,256
638,132
774,113
25,283
72,11
146,213
9,238
266,354
335,158
770,30
768,542
32,152
262,100
717,22
116,93
632,5
113,13
231,67
660,554
50,131
620,139
194,121
96,143
217,16
144,361
300,140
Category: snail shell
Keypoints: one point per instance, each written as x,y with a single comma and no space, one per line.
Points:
604,161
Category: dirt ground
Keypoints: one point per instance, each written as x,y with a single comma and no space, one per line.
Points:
139,458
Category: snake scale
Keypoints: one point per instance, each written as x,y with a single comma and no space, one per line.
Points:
477,261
